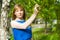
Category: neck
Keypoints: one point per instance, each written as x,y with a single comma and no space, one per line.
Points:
18,19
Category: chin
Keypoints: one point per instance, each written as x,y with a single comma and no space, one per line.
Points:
20,17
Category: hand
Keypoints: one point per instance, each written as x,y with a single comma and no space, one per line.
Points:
36,8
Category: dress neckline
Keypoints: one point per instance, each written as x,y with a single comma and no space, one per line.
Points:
19,20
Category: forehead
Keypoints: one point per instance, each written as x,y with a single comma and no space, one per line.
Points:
19,8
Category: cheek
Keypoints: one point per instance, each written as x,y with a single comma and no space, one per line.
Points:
16,13
22,13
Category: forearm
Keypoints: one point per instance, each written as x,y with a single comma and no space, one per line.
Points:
30,20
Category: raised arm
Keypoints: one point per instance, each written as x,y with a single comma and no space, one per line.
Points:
28,22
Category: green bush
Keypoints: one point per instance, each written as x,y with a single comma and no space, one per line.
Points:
11,37
38,35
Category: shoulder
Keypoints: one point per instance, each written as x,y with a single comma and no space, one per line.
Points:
12,21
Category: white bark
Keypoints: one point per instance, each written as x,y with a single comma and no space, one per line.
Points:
4,13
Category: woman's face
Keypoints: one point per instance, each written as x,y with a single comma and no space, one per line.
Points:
19,13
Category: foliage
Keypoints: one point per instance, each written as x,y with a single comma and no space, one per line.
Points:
47,7
38,35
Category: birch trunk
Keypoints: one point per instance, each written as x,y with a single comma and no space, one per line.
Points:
4,13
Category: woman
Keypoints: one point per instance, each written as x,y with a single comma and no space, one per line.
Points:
20,27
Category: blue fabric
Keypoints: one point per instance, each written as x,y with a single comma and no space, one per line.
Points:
22,34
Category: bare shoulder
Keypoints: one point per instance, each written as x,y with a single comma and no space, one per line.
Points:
12,21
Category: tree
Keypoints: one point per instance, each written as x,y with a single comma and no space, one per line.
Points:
4,13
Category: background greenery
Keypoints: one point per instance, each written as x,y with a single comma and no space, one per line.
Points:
49,12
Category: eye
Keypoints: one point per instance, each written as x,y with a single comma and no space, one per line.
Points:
21,10
16,10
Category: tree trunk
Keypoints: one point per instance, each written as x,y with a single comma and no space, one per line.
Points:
45,27
4,13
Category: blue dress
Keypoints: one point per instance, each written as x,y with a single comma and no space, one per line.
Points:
22,34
